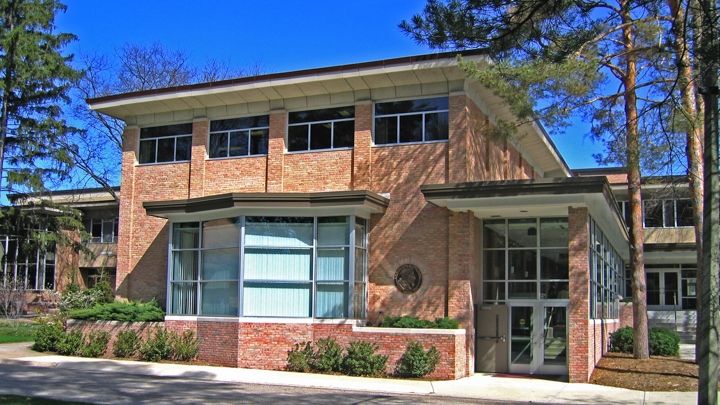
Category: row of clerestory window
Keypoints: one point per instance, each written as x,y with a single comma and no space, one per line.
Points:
395,122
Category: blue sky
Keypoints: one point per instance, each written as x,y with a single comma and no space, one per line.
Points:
275,35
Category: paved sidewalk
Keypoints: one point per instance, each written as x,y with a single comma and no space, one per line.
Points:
479,386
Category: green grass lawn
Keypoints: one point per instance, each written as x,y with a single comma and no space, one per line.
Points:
22,400
16,331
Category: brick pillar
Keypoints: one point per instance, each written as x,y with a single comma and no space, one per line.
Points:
461,263
276,151
130,140
578,305
458,142
362,146
196,182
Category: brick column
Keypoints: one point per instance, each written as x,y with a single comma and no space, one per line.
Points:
461,263
130,139
578,305
276,151
196,182
362,146
458,139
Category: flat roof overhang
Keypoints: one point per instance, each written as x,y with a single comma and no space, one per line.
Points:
670,253
362,203
535,198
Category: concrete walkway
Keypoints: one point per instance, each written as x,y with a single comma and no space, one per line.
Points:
479,386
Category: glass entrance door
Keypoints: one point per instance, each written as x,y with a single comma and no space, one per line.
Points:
538,338
663,292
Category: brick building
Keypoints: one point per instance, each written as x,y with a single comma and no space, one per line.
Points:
276,209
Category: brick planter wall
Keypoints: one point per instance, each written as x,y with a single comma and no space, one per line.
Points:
264,345
143,329
626,314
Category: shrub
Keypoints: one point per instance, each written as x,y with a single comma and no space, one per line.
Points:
185,346
622,340
47,335
70,343
103,292
362,360
157,347
121,311
664,342
447,323
76,298
327,357
95,344
416,323
416,362
299,357
127,344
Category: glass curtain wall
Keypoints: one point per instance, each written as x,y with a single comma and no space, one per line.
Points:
270,267
606,275
24,265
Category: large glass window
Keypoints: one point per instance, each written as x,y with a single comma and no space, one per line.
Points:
525,259
246,136
606,275
409,121
329,128
658,213
25,266
290,267
168,143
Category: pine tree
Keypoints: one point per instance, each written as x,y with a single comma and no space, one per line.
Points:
35,77
593,59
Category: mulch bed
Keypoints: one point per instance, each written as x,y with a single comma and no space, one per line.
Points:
654,374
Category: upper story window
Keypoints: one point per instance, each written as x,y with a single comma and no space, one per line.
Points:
239,137
329,128
103,230
168,143
409,121
670,213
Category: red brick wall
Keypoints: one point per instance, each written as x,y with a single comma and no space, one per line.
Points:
318,171
626,314
578,345
266,345
599,338
143,329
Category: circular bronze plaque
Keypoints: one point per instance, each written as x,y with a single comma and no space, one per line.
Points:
408,278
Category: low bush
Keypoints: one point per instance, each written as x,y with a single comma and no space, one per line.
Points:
157,346
662,342
70,343
299,357
121,311
361,360
622,340
76,298
416,362
327,357
416,323
95,344
126,344
48,334
185,346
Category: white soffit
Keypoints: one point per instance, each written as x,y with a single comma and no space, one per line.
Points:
303,85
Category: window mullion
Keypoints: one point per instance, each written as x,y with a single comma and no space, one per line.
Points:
350,307
241,270
332,134
313,261
397,129
423,126
199,268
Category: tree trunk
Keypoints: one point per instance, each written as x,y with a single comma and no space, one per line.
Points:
639,294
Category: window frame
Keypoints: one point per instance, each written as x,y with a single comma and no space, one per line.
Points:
398,115
228,131
156,140
308,125
348,283
41,262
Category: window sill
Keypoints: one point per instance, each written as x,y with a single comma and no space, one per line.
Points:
162,163
209,159
296,152
388,145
